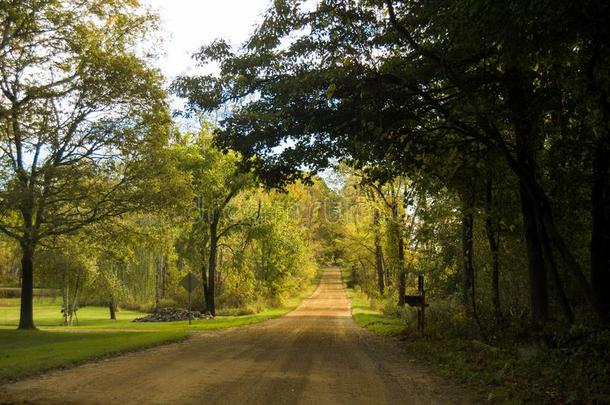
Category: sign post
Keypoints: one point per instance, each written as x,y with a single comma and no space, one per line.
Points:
188,282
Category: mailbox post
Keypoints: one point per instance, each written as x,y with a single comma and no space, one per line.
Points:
419,301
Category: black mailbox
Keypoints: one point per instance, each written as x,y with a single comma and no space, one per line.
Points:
414,300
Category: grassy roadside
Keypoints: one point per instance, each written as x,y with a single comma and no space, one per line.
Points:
24,353
371,319
575,372
367,317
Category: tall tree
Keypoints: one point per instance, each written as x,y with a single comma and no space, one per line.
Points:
217,178
81,115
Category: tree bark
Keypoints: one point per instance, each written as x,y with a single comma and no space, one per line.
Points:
467,251
112,309
402,276
536,267
26,317
527,139
600,236
204,284
551,268
378,253
210,302
530,185
493,239
64,296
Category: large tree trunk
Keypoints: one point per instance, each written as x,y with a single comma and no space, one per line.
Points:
112,309
26,319
158,280
540,207
525,117
206,287
539,302
378,253
493,239
600,215
553,271
467,252
402,276
164,277
210,301
65,296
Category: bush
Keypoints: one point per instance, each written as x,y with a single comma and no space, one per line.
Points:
449,318
141,307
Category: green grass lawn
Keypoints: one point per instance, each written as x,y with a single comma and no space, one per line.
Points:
24,353
47,314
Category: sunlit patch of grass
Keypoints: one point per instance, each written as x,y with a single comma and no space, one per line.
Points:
371,319
24,353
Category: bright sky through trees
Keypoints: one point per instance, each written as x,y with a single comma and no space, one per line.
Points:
188,24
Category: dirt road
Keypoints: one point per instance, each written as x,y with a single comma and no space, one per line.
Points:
314,355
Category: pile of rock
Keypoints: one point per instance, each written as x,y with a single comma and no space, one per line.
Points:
173,314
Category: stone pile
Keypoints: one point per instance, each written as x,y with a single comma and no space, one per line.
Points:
172,314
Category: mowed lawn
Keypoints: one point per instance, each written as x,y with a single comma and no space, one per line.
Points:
24,353
47,314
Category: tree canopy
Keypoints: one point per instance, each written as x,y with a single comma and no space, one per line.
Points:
82,117
438,88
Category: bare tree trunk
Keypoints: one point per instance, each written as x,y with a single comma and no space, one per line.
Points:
158,266
493,238
210,302
402,276
467,196
600,214
536,266
527,139
74,304
64,296
206,287
112,308
26,316
551,268
467,251
388,274
164,277
378,253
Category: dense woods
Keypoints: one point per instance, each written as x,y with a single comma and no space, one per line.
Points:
468,140
441,104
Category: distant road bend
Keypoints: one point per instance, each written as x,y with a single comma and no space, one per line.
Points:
314,355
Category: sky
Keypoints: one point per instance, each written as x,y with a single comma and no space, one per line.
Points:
188,24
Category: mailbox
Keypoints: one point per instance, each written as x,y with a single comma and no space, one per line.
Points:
419,301
414,300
